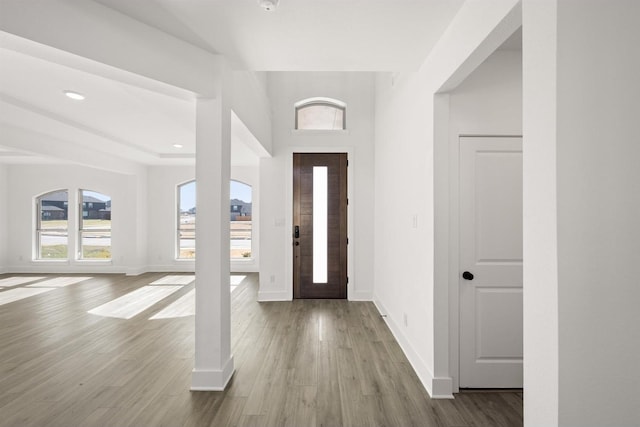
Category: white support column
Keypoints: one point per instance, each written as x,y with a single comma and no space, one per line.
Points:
213,360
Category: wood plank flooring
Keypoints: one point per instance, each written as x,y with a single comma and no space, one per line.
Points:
300,363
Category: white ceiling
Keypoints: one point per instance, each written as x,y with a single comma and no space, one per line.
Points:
137,119
303,35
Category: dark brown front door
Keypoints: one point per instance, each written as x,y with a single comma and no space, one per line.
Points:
320,225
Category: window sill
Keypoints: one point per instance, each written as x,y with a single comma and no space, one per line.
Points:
320,131
94,261
50,261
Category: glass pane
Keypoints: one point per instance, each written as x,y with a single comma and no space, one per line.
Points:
53,221
53,210
241,220
320,209
95,225
96,244
187,221
321,117
53,244
187,237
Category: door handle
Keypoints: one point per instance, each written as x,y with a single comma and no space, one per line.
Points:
467,275
296,232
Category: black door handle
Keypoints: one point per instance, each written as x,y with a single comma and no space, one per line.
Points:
467,275
296,232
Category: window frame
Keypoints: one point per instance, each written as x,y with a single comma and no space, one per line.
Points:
178,223
39,230
81,230
324,102
251,252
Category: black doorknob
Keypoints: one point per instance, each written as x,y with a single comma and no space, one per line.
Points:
467,275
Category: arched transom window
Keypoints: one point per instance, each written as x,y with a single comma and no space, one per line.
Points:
321,114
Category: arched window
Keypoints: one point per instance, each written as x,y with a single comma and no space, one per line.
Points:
186,238
321,114
52,231
94,226
241,221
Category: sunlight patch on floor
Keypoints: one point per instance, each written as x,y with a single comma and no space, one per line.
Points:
236,280
59,282
175,280
134,302
18,280
186,304
20,293
182,307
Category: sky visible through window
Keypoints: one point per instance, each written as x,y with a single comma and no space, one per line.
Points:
239,191
98,196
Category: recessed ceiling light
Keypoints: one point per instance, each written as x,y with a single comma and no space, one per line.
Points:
74,95
268,5
177,145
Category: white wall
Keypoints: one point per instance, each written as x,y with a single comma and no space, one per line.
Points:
488,102
162,220
598,212
162,208
26,182
357,91
251,105
3,216
540,237
412,168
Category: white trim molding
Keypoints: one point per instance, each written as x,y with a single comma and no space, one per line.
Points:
437,387
212,380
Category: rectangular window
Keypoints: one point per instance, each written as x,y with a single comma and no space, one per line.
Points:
320,223
187,220
94,228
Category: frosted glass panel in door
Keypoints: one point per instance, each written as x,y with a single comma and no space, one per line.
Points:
320,208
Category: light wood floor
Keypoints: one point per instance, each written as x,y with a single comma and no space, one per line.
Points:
300,363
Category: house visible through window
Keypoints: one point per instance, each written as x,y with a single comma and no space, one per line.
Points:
320,114
52,233
241,220
94,226
240,217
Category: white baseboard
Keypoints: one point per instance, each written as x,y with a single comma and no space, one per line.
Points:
212,380
264,296
136,271
244,267
438,388
442,388
172,268
360,296
66,268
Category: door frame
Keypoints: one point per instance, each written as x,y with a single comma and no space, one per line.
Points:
288,206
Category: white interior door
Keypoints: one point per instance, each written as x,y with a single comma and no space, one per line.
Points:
490,262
